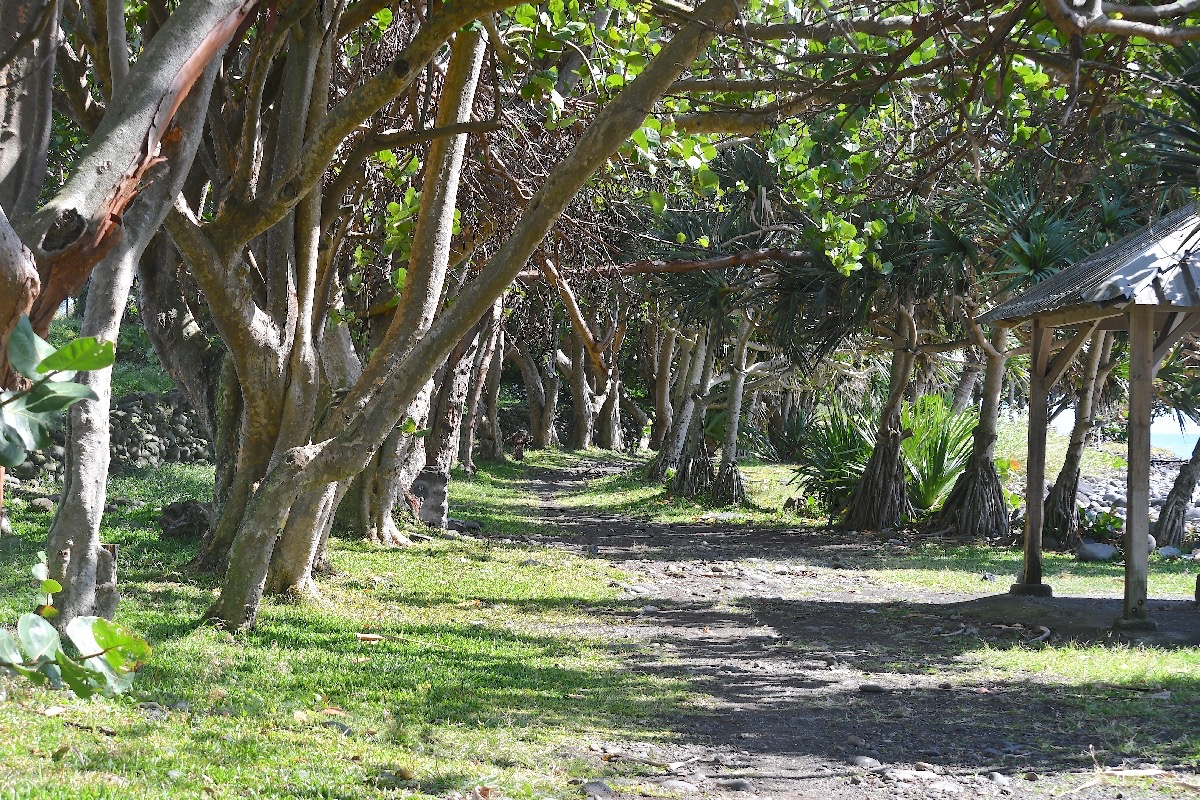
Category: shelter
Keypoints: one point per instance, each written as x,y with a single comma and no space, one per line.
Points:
1149,285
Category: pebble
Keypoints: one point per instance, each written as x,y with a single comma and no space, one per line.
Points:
866,762
649,609
43,504
676,785
872,688
736,784
340,727
946,786
999,778
598,789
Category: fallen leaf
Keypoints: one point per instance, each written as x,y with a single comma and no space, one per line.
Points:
370,638
361,659
333,711
53,711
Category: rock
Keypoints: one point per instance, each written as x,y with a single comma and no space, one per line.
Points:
174,774
43,504
153,711
186,519
872,688
945,786
866,762
1169,552
988,576
649,610
736,784
530,562
906,775
340,727
430,486
723,516
463,525
999,779
1095,551
598,789
675,785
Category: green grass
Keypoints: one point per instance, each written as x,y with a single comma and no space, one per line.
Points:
1012,442
960,569
137,368
627,492
492,670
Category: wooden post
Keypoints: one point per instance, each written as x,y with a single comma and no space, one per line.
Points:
1035,467
1137,503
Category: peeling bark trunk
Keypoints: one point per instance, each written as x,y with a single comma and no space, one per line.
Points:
84,567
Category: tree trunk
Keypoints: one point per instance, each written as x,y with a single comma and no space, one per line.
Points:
694,473
676,439
545,432
86,569
1168,530
1061,520
879,501
492,442
479,375
976,506
346,441
729,488
662,386
964,391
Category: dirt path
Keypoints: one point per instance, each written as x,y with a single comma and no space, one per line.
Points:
820,682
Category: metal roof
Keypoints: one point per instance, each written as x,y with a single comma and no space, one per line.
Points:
1158,266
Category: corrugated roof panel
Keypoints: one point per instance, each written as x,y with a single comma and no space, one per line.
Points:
1161,253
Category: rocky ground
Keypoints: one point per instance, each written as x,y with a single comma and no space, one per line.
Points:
817,681
146,430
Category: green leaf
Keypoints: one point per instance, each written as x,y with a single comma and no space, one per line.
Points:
51,586
85,353
54,396
108,648
658,202
408,426
38,638
26,350
12,448
9,652
82,681
708,179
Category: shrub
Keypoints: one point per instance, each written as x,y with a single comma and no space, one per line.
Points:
831,450
937,451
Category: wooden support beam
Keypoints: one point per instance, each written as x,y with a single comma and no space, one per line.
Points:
1073,316
1035,466
1183,324
1137,501
1062,360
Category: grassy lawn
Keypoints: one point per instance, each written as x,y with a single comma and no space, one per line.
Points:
1012,442
627,493
490,671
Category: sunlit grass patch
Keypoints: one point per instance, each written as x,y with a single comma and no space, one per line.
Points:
466,662
961,569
